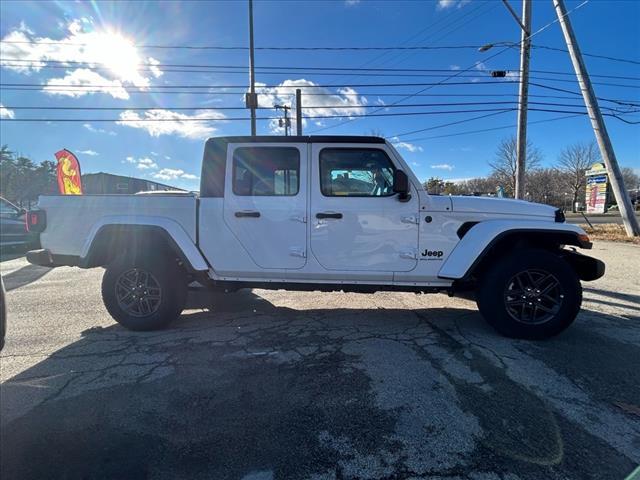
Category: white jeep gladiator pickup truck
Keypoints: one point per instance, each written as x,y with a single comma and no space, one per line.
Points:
326,213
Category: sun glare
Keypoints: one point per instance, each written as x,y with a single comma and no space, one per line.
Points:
118,54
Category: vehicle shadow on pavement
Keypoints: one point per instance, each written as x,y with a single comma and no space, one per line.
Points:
635,299
24,276
253,388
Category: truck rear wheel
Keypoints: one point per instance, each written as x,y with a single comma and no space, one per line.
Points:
143,294
530,294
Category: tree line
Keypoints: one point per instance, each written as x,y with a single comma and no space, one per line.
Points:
561,185
22,180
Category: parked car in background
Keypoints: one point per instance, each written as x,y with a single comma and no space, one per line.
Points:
13,228
3,314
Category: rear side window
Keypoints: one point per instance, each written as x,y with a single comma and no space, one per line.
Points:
355,172
266,171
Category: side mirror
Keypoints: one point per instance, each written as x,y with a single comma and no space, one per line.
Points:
401,185
21,212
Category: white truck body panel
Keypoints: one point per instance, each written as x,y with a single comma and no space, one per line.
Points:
74,220
468,250
278,238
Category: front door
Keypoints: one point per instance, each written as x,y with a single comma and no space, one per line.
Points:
265,205
357,222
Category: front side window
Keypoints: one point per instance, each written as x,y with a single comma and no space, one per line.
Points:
355,172
266,171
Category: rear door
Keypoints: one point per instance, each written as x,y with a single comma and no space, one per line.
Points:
265,204
357,222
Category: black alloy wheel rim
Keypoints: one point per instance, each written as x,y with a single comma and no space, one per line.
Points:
138,293
533,297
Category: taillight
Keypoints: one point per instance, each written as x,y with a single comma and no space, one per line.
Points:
36,220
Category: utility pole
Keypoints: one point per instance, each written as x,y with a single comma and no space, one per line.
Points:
597,121
286,121
523,104
252,98
298,111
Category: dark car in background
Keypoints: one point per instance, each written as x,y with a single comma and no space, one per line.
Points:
13,229
3,314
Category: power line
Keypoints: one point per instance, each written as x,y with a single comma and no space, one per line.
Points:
241,48
626,102
453,123
225,119
306,107
396,59
218,119
469,132
415,140
286,68
593,55
333,72
343,85
420,91
322,48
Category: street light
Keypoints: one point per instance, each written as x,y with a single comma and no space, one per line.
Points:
489,46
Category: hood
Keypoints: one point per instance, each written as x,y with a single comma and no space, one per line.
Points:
505,206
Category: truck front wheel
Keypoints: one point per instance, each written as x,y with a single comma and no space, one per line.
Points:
143,294
530,293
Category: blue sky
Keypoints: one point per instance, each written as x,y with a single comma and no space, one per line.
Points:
117,37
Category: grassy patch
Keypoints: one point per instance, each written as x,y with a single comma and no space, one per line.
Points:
610,232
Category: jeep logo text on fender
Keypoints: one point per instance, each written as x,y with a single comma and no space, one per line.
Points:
432,253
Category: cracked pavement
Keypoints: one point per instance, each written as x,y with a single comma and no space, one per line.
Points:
304,385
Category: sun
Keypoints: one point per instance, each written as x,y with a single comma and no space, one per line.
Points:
118,54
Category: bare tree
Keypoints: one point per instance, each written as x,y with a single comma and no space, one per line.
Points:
504,165
574,161
631,178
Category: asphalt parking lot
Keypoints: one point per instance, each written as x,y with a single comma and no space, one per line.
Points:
285,385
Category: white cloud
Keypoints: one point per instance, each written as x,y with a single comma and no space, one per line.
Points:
155,154
173,174
109,52
350,3
154,67
443,166
454,67
146,164
6,113
343,101
93,129
409,147
91,153
165,122
444,4
142,163
85,82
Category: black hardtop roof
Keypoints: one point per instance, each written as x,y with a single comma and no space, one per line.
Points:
299,139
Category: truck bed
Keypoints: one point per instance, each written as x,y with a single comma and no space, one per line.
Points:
73,219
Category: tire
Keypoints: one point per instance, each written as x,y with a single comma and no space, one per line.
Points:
530,293
158,298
